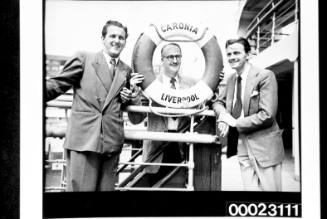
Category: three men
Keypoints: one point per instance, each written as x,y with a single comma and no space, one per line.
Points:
246,111
95,136
101,82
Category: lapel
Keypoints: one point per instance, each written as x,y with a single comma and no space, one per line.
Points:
102,70
249,85
230,93
118,82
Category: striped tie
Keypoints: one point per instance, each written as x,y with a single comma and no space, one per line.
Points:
173,86
113,68
172,81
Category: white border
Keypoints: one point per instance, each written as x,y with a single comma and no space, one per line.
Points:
310,157
31,110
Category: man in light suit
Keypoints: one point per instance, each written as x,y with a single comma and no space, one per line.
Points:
246,110
95,136
171,55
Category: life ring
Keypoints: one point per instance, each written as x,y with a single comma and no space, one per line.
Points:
178,32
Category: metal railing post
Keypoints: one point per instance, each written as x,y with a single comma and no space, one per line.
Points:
190,185
190,165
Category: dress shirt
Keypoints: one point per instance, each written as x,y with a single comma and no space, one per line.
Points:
108,58
166,81
172,123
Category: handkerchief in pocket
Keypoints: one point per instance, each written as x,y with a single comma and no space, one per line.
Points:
254,93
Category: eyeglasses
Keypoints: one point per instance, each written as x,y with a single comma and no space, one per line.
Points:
172,57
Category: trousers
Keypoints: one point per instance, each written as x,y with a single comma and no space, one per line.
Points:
90,171
254,176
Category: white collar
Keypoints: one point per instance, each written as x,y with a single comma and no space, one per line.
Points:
108,57
167,79
245,72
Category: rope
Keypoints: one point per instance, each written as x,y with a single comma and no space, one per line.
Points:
135,94
177,40
202,108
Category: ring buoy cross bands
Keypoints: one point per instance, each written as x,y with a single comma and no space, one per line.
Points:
178,32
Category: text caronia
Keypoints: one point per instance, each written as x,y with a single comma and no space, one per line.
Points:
175,99
179,26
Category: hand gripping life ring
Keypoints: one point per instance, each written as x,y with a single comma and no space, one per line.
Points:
178,32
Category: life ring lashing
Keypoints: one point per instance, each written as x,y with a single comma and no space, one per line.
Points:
203,90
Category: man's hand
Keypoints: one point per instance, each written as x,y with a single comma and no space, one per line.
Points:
126,95
223,128
136,78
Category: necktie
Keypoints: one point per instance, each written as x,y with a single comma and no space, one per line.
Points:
173,86
232,138
172,82
237,109
113,66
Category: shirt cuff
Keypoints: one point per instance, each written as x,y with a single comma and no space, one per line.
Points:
227,118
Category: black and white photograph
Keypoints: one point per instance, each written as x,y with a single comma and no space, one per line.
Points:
172,109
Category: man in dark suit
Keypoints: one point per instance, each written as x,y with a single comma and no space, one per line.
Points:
246,110
95,135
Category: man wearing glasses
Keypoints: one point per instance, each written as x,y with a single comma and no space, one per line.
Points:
171,56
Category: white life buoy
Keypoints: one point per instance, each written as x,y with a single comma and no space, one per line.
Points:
178,32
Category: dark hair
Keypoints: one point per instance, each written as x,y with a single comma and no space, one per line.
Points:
241,40
170,44
113,23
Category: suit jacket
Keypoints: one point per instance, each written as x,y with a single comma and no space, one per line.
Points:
258,128
160,124
96,120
